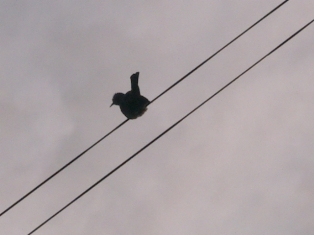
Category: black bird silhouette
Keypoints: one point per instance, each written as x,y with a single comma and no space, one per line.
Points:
132,104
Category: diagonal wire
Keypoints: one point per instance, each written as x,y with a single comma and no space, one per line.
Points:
180,80
163,133
205,61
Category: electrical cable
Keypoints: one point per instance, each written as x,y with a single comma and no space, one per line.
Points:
175,124
121,124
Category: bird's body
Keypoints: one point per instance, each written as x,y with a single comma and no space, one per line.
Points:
132,103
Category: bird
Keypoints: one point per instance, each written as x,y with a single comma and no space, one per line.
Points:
132,104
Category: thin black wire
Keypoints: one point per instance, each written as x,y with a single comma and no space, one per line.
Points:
151,142
180,80
205,61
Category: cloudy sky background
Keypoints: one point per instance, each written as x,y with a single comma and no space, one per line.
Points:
242,164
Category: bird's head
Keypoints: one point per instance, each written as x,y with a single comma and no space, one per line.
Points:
117,99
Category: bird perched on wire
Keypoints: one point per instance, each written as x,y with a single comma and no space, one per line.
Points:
132,104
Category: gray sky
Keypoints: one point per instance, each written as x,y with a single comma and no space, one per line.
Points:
243,164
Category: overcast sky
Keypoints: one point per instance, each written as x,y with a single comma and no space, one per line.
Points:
242,164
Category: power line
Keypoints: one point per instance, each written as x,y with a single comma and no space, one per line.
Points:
121,124
205,61
163,133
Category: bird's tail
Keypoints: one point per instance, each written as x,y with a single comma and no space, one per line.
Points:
134,83
134,79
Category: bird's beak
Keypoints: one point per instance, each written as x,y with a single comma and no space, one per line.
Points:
111,104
